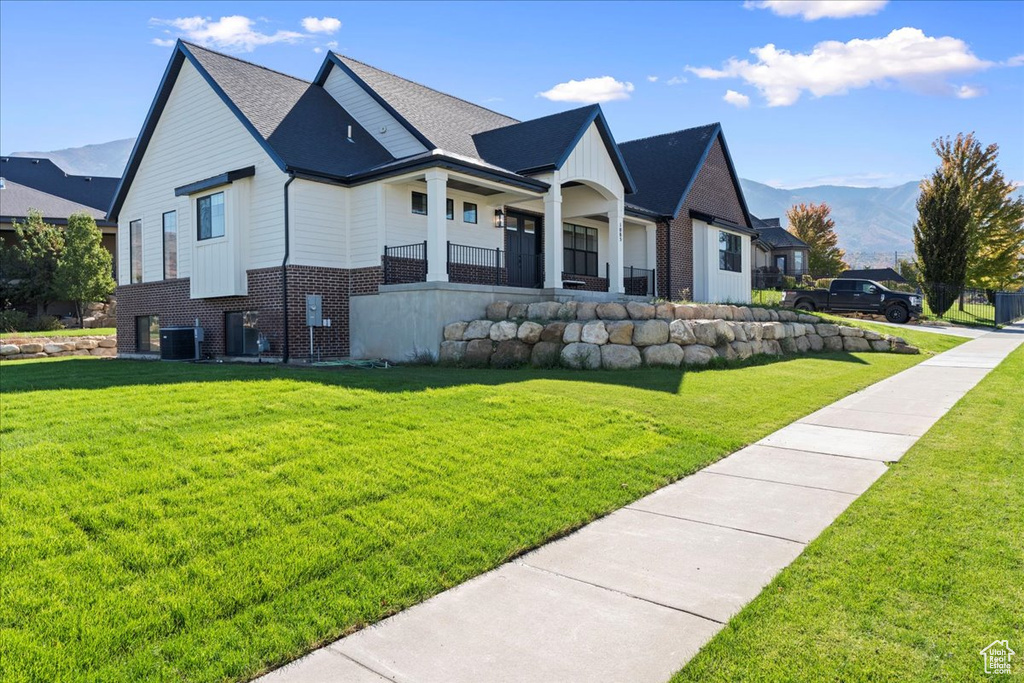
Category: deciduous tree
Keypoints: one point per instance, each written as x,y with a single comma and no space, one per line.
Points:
812,224
84,268
31,262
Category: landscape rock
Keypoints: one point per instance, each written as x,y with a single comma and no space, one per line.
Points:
543,310
739,331
772,330
518,311
31,348
833,343
639,311
553,332
108,343
797,329
101,351
803,345
586,310
742,349
724,332
579,356
611,311
787,344
827,329
650,332
879,345
807,319
9,349
898,348
679,332
771,347
745,314
452,331
761,315
594,332
572,332
478,353
503,330
663,356
851,331
871,335
704,332
665,311
816,342
620,357
567,311
530,332
498,310
787,316
477,329
619,331
725,350
684,312
452,352
510,354
855,344
698,354
545,354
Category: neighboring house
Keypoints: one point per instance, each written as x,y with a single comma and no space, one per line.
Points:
777,253
403,207
39,184
876,274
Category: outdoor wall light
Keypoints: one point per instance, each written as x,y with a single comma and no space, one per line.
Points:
499,219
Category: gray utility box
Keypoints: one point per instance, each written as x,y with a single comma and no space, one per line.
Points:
314,310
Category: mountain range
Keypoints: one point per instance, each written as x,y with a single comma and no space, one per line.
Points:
873,223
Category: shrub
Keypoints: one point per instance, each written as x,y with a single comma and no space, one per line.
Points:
45,323
823,283
13,321
788,282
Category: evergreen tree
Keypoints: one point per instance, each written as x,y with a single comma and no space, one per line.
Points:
30,263
84,269
941,238
812,224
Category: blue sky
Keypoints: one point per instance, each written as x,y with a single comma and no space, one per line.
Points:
862,109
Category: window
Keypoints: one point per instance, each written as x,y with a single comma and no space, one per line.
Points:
135,250
241,333
729,252
449,209
579,250
210,210
468,212
419,203
798,262
844,285
147,334
170,245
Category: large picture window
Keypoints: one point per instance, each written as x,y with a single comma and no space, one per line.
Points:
135,251
730,252
170,245
579,250
147,334
210,210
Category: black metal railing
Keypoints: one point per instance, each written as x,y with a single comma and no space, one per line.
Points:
1009,307
405,263
966,305
476,265
770,277
638,281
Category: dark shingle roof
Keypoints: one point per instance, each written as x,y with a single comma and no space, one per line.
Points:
534,144
300,122
16,200
665,165
759,223
47,177
446,122
876,274
780,238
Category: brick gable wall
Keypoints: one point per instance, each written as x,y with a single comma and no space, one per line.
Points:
170,300
712,193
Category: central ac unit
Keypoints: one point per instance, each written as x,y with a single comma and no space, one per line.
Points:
180,343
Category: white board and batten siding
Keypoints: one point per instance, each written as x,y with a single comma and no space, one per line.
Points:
589,162
198,137
369,114
710,283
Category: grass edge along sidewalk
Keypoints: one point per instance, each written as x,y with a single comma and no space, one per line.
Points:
918,576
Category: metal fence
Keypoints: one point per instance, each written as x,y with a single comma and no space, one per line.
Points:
1009,307
405,263
476,265
638,281
967,305
772,278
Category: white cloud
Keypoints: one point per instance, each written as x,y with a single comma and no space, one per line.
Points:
736,99
163,42
968,92
810,10
906,56
333,44
325,25
234,33
675,80
1016,60
318,50
589,90
652,79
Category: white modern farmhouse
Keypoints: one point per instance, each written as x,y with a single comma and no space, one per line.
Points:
401,208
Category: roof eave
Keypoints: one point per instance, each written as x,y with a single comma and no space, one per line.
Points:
597,116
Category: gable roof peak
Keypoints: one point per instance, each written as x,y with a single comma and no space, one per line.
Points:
195,46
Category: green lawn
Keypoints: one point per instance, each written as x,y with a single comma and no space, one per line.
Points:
70,332
915,578
205,522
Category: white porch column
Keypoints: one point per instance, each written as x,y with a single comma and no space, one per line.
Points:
437,226
652,250
553,235
615,262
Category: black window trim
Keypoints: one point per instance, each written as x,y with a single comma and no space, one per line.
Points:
413,203
146,346
476,213
587,230
199,226
131,253
163,241
449,208
733,261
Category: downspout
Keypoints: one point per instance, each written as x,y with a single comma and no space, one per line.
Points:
668,261
284,269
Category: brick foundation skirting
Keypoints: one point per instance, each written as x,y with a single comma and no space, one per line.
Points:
590,283
170,300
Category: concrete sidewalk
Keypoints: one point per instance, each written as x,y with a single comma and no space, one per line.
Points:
634,595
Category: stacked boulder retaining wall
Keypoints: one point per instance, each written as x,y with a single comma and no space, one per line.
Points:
616,336
21,348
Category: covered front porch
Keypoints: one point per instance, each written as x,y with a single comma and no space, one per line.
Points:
472,230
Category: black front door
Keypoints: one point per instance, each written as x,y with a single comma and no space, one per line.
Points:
523,258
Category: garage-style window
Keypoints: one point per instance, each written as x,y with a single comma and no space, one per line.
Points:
135,251
579,250
730,252
147,334
210,210
170,245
